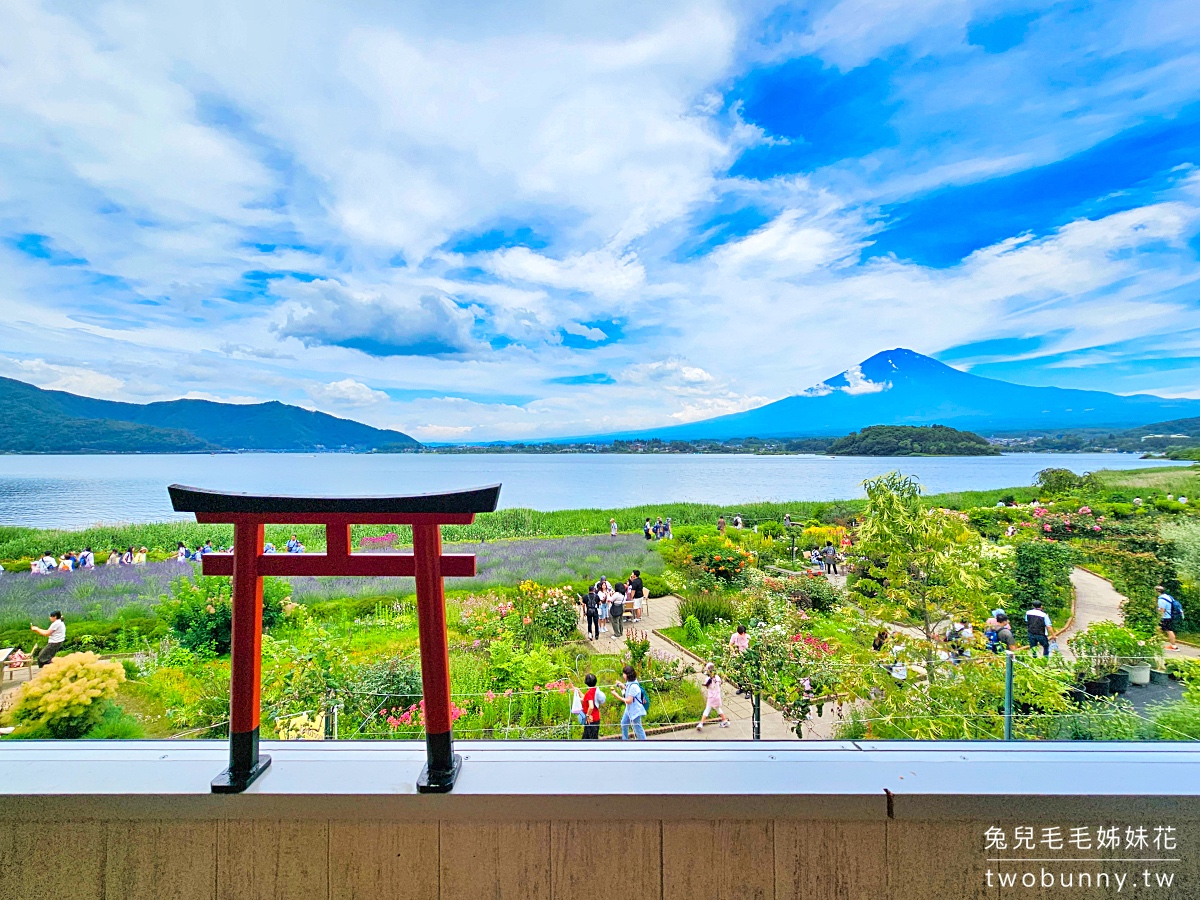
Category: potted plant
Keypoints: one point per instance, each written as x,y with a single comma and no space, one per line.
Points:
1100,651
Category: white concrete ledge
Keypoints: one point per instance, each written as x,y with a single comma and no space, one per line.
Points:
533,779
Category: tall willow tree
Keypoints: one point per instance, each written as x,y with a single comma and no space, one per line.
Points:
912,563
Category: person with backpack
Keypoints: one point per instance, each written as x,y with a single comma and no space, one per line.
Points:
1170,612
1037,623
616,610
1002,638
636,703
593,699
712,697
591,612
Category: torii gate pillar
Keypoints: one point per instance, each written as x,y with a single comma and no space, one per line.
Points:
249,513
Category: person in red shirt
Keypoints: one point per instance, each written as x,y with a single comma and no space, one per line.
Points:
591,710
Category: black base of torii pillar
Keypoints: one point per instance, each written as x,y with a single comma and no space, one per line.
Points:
247,564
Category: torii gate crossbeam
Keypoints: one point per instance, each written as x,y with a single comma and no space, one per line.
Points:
247,564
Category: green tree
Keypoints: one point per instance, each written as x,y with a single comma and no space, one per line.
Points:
917,563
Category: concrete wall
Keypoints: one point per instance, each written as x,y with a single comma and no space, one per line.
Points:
565,822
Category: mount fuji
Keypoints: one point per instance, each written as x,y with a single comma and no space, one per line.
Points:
900,387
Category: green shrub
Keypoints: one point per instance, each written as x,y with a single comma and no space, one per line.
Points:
814,592
68,698
1179,721
693,630
1105,720
1042,573
656,585
200,610
772,529
116,725
706,610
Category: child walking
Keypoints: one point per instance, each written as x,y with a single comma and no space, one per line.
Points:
712,697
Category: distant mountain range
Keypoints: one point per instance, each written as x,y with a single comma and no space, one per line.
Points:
40,421
900,387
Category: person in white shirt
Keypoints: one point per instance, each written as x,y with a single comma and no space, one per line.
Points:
47,563
56,635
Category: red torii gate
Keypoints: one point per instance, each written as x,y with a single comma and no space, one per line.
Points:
248,513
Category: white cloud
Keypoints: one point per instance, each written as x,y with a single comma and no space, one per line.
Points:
183,161
73,379
383,320
857,383
346,393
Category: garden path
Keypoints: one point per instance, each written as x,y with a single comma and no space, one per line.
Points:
1096,600
662,613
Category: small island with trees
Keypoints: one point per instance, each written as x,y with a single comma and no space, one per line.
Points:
912,440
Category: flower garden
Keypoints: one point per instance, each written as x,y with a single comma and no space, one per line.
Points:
147,650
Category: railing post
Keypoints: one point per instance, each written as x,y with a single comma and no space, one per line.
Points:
245,662
442,763
1008,694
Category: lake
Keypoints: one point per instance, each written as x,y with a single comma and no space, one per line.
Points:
75,491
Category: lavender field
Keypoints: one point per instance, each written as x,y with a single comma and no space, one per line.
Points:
545,560
102,593
108,591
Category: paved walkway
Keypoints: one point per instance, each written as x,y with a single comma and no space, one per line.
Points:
663,613
1096,600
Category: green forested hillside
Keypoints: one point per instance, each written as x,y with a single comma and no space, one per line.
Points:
33,420
912,440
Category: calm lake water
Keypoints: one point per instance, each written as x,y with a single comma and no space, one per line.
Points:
75,491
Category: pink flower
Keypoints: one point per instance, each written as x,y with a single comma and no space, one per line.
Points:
1095,528
476,643
1085,510
1045,528
490,696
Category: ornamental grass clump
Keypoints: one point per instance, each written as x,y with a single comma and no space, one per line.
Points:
68,698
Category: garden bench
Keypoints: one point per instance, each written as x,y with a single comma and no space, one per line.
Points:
11,668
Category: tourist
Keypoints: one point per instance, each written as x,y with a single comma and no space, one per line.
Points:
66,562
667,534
814,558
591,708
829,556
591,612
181,552
617,610
207,548
1004,636
787,520
740,642
648,529
87,559
635,705
712,697
47,563
114,557
737,521
1037,623
636,592
660,529
612,527
56,634
294,546
139,558
720,524
1169,609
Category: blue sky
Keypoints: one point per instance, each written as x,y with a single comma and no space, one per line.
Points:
520,220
